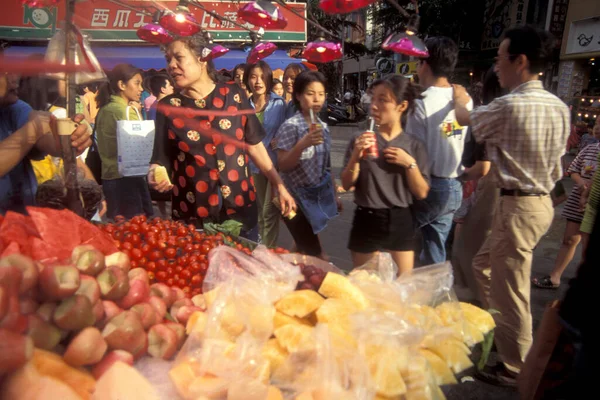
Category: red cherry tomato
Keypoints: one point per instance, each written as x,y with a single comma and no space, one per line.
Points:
150,266
161,276
186,274
171,253
178,269
181,283
136,254
170,271
196,280
133,263
127,245
161,264
170,282
151,276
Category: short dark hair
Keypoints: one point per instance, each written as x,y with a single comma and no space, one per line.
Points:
443,56
402,89
303,80
241,66
276,82
267,75
534,43
157,82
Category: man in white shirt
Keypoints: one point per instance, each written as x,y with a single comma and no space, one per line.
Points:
434,123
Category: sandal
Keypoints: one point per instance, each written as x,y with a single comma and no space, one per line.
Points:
544,283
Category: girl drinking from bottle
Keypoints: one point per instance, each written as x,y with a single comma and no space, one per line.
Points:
303,145
388,169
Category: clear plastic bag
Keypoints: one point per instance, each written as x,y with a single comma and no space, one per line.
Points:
323,370
381,266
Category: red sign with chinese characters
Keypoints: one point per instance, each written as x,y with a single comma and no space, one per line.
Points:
103,20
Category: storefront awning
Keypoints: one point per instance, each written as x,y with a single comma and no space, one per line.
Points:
146,57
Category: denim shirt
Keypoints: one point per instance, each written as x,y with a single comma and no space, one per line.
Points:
17,187
273,118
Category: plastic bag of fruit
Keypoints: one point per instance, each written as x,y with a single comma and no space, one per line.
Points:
225,264
390,348
381,266
313,270
225,346
323,368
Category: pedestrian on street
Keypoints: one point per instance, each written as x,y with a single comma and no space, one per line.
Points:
525,133
205,142
434,123
270,110
386,184
582,170
303,147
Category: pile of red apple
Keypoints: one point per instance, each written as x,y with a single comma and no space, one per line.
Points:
92,309
173,253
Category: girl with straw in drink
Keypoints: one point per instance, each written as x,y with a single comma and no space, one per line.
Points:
303,145
388,169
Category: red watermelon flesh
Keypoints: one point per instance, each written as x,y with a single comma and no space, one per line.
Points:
12,248
17,228
56,227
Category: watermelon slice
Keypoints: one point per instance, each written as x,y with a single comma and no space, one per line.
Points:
57,228
17,228
46,253
12,248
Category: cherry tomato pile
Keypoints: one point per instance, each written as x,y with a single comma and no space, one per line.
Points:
173,253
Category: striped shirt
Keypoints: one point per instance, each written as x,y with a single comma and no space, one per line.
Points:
525,134
585,164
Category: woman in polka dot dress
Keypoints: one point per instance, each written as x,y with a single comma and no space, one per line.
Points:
205,138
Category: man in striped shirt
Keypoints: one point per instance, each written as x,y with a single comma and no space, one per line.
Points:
525,133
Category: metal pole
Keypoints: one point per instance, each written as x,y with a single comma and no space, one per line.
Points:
69,159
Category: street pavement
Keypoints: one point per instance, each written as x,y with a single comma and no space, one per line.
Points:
335,237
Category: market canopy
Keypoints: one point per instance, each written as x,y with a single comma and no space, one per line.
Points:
151,57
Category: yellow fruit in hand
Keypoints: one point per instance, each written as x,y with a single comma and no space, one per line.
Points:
161,175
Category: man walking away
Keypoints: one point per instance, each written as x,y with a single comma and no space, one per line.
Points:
434,123
525,133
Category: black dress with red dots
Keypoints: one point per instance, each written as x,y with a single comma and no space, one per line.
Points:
202,143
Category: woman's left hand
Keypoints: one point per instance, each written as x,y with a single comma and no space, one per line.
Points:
395,155
286,201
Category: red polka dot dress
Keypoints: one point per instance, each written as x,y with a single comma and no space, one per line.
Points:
205,154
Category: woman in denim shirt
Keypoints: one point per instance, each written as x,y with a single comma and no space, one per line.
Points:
270,110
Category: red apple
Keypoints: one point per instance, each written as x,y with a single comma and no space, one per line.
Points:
13,319
114,283
147,315
162,342
44,335
59,281
10,278
15,351
4,300
88,260
87,348
28,269
199,301
179,293
125,332
46,310
109,359
74,313
143,350
139,273
178,304
159,306
179,330
164,292
98,309
111,310
89,288
138,292
119,260
184,312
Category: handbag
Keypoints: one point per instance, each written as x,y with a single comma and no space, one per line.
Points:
93,160
135,142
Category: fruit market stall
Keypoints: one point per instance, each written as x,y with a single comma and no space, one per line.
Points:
157,310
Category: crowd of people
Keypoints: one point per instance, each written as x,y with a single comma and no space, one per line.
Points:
254,149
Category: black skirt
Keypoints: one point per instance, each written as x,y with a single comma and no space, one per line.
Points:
389,229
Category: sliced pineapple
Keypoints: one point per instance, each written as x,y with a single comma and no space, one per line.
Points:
274,353
337,286
293,337
210,297
455,353
299,303
440,370
161,174
197,322
280,319
335,310
231,321
384,364
482,319
472,334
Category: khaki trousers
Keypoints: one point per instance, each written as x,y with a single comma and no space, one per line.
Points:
268,214
502,268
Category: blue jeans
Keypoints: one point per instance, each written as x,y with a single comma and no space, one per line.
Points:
434,216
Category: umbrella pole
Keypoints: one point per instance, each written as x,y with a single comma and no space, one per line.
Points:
74,202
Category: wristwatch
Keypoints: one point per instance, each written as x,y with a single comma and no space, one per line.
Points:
412,165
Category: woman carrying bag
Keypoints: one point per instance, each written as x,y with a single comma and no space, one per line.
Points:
125,195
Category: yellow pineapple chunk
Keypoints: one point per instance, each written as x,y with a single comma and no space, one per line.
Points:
299,303
280,319
472,334
197,322
292,337
334,310
210,297
161,174
482,319
441,372
385,364
274,353
455,353
337,286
